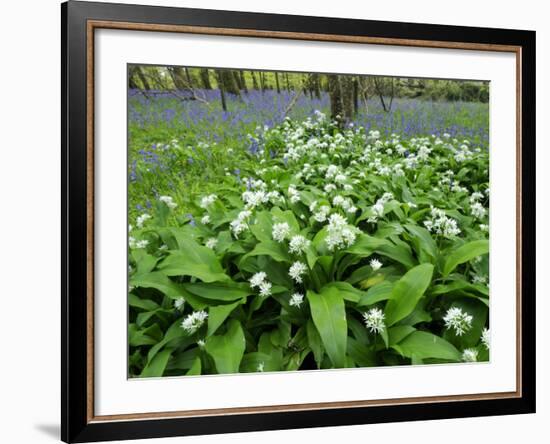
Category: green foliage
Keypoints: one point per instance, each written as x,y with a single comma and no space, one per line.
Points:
329,248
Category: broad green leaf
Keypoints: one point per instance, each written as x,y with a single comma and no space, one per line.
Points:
398,253
465,253
143,304
159,281
174,332
276,251
346,290
423,242
263,227
315,343
144,262
156,366
219,291
193,260
227,350
406,293
377,293
425,345
287,216
361,354
329,316
183,361
218,314
195,368
365,245
398,333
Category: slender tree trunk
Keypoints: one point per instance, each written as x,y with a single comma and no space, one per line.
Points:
221,87
143,78
243,81
336,104
287,81
205,79
277,84
254,80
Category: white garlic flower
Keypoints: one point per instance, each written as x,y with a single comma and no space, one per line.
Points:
212,243
280,231
486,338
205,220
257,279
206,201
375,264
179,303
141,219
297,270
458,320
299,244
374,320
265,289
169,201
296,300
194,321
469,355
260,367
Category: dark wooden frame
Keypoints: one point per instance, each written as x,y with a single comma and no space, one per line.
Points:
79,20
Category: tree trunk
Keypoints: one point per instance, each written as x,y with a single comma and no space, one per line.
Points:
277,84
221,87
205,79
336,103
243,81
143,78
254,80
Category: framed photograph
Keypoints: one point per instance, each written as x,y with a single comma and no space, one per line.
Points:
276,221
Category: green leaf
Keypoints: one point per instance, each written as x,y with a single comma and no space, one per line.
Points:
398,253
361,354
144,262
346,290
272,249
365,245
227,350
218,314
195,368
406,293
425,345
157,365
287,216
329,316
397,334
465,253
160,282
193,260
263,227
219,291
377,293
423,242
315,343
144,304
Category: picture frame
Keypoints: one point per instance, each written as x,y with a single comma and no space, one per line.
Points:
80,23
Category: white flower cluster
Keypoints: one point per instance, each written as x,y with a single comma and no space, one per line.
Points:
296,300
168,201
293,194
205,220
486,338
344,202
297,270
339,233
133,243
378,207
469,355
458,320
179,303
374,320
298,244
206,201
259,280
253,199
211,243
240,224
141,219
194,321
280,231
441,224
375,264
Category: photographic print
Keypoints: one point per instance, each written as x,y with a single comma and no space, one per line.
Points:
284,221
